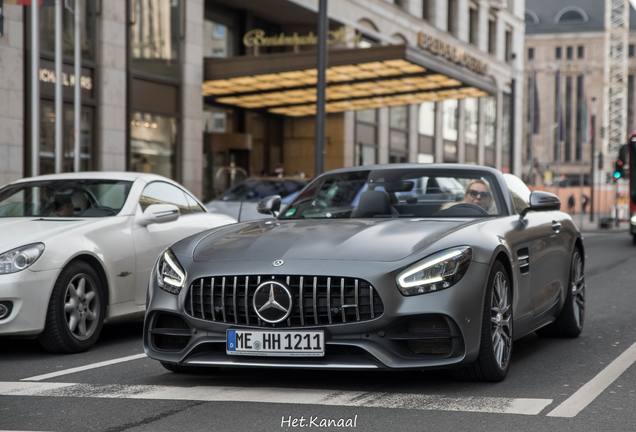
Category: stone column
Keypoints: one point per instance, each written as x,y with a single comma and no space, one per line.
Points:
482,24
191,99
439,133
440,15
110,83
383,135
413,133
349,138
12,92
462,20
461,131
499,131
481,135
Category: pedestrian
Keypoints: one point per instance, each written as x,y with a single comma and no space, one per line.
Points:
279,171
584,202
571,204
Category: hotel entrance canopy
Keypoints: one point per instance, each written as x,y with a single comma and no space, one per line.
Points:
285,83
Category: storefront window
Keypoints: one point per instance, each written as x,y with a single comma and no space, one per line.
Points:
490,117
219,36
153,141
449,128
505,123
366,149
154,37
471,120
87,29
47,138
426,124
398,139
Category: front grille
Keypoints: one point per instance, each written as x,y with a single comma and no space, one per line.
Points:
436,337
170,332
317,300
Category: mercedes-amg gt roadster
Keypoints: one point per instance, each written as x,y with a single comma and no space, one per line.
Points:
411,266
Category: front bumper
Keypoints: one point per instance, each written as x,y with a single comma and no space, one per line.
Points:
379,343
29,293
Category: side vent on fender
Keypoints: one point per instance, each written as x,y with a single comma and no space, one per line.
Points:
523,256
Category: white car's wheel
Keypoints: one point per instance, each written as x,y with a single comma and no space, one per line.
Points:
76,310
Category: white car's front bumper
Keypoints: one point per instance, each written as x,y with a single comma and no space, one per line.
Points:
29,292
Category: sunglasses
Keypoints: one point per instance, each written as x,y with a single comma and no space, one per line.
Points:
484,195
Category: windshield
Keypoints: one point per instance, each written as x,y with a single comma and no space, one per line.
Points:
64,198
257,189
399,193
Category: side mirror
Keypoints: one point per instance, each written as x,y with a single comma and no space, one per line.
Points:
269,205
542,201
159,213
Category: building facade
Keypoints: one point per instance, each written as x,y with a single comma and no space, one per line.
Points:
169,87
566,55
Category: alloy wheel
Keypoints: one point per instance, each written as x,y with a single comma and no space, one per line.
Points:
501,320
81,307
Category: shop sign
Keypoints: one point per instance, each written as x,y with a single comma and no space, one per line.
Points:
257,38
47,79
451,53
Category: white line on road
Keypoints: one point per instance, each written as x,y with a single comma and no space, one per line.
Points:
83,368
280,396
590,391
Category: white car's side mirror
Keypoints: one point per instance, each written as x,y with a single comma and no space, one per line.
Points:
159,213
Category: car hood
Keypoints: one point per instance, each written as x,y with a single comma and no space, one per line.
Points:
346,239
16,232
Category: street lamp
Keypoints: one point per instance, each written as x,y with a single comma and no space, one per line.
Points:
593,150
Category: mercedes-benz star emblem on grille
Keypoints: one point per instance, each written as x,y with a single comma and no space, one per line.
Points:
272,302
278,263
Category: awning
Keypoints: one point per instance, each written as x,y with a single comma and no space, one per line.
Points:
285,83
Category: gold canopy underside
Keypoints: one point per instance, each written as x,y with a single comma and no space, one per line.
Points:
349,87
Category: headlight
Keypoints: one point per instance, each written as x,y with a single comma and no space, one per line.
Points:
18,259
436,272
170,275
633,220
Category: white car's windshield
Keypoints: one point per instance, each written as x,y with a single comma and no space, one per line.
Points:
399,193
64,198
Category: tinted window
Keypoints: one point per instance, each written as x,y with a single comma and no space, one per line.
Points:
164,193
64,198
257,189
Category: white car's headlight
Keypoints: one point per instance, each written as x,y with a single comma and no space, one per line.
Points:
633,220
20,258
170,275
436,272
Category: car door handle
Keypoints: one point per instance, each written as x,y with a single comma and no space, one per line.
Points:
556,226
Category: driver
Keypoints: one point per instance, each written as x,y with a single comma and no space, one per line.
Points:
478,193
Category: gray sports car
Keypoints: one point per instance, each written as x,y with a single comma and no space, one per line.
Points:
379,267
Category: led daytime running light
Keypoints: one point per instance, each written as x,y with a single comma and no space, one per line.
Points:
175,268
428,264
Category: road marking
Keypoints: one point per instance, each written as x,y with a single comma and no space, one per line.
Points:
83,368
590,391
279,396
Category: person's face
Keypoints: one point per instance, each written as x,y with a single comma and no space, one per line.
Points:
478,195
64,210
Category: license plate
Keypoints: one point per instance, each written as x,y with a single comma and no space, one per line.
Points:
276,343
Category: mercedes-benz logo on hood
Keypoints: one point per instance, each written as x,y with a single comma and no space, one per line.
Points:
272,302
278,263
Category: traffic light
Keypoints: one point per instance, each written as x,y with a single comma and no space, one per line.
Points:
619,169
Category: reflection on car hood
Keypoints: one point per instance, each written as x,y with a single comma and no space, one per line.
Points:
345,239
15,232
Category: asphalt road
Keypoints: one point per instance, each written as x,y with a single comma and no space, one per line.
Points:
584,384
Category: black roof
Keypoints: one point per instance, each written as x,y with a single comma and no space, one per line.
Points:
548,10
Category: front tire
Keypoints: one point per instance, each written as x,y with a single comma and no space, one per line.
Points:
76,310
493,361
572,317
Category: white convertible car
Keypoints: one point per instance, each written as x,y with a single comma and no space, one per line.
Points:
76,250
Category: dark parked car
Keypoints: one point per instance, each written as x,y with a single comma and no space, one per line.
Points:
240,200
408,266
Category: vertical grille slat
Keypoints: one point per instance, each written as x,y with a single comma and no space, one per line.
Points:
234,298
247,303
223,298
212,298
316,300
302,302
227,300
342,300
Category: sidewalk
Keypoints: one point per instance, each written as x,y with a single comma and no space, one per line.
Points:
588,226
